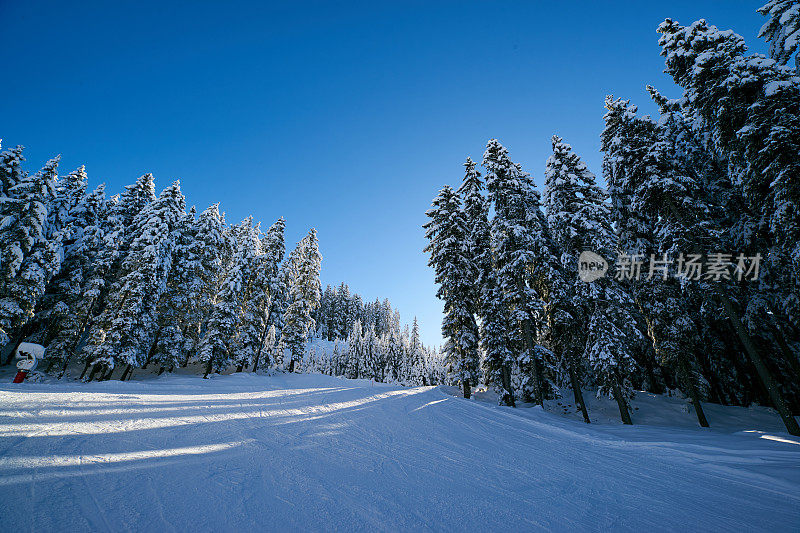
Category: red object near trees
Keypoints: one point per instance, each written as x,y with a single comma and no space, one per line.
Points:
20,377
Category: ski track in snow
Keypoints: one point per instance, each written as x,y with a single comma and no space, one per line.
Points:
313,453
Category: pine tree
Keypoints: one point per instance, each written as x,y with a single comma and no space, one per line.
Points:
125,331
71,307
496,333
69,192
747,110
578,218
270,348
176,304
11,172
28,257
249,328
524,258
355,351
216,347
782,29
447,233
208,252
269,284
304,291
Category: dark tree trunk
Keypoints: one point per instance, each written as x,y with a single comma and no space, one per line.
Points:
761,368
240,367
763,372
78,338
577,392
64,368
713,379
624,414
291,366
94,371
467,389
538,397
85,368
160,371
208,370
125,373
655,384
152,351
505,376
691,388
792,359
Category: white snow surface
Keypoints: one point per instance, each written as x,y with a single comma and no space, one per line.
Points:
295,452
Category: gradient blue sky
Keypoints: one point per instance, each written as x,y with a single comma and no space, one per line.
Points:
343,116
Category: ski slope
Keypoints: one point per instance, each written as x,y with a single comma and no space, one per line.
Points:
311,453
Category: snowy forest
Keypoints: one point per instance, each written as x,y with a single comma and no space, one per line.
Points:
131,280
712,181
600,293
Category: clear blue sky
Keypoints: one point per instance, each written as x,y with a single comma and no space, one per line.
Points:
343,116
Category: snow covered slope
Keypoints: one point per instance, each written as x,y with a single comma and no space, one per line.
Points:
310,452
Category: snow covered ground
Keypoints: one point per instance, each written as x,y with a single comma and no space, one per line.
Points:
309,452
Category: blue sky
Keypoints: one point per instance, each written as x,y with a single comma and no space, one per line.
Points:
347,117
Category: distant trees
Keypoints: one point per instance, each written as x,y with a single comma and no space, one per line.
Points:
375,346
697,201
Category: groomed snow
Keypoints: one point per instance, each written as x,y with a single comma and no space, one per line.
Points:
310,452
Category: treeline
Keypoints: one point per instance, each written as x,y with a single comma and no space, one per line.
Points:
123,282
369,343
375,348
712,182
135,279
339,310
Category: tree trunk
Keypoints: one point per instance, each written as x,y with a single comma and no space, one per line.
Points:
291,365
467,389
85,368
624,414
761,368
152,351
74,346
577,392
95,368
537,385
505,376
125,373
792,358
691,388
64,368
240,367
208,370
160,371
